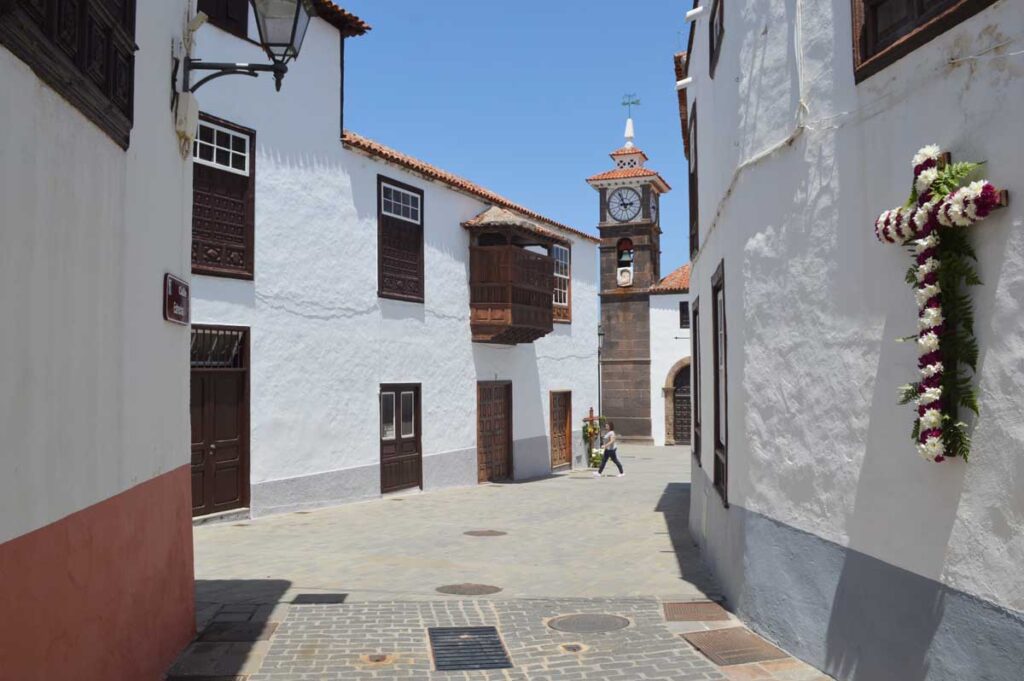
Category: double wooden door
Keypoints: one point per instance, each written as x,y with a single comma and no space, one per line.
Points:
561,429
682,408
494,430
219,408
401,455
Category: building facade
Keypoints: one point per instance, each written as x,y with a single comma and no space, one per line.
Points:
96,201
386,325
827,531
671,394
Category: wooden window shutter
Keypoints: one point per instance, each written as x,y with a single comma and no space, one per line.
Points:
230,15
399,248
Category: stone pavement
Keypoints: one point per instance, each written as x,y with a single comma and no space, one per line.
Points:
349,592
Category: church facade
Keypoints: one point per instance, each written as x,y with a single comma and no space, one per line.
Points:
827,530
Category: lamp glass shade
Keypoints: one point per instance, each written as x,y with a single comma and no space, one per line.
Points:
282,25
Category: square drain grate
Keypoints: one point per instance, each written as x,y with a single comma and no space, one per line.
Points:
734,645
467,648
702,611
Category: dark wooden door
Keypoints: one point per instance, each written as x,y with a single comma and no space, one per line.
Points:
561,429
220,420
681,408
494,430
401,456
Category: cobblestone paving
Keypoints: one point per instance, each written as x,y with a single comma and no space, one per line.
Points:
334,642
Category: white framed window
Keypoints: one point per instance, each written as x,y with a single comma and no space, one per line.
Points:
387,416
221,148
408,414
562,276
399,203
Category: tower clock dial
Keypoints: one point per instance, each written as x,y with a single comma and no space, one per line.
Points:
624,204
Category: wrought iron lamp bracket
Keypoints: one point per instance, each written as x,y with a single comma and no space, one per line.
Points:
228,69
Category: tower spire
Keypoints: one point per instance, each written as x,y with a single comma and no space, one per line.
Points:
629,101
629,133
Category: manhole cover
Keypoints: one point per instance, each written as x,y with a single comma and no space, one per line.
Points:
485,533
703,611
735,645
588,624
469,589
467,648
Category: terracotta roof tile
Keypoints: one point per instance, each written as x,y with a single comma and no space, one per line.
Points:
368,146
678,281
495,216
680,60
625,151
346,22
625,173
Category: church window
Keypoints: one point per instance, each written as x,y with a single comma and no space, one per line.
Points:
625,253
563,284
399,240
886,30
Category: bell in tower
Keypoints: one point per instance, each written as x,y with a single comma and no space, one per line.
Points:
630,196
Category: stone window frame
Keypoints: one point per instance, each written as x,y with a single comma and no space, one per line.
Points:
920,27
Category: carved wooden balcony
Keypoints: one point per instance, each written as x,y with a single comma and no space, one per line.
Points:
510,296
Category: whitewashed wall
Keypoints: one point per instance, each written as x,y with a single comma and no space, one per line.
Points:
323,341
856,535
669,345
93,399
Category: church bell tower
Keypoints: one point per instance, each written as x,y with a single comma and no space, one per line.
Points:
630,195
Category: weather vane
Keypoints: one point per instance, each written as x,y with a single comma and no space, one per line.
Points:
629,101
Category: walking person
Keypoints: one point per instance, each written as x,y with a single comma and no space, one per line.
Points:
610,450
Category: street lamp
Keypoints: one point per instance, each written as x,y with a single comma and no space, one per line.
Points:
600,346
282,27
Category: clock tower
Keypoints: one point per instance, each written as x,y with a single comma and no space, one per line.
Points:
630,196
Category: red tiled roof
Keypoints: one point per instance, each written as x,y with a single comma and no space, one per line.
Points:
625,173
676,282
625,151
346,22
366,145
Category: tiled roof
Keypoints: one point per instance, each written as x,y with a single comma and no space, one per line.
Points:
625,173
346,22
495,216
625,151
368,146
676,282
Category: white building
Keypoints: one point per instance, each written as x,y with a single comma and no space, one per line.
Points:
95,532
365,322
828,532
671,396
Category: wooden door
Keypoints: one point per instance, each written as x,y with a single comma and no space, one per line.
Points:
561,429
219,407
681,408
401,456
494,430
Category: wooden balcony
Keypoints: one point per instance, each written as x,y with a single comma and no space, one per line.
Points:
510,296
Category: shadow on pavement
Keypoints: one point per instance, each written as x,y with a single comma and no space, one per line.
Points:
674,504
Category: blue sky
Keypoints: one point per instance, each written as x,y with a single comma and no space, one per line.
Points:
524,97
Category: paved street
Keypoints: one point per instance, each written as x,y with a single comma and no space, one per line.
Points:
329,590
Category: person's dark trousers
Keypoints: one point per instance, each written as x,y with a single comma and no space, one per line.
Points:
609,454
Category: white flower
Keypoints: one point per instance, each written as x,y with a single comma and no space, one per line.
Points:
931,449
929,396
924,243
930,152
932,419
931,370
926,293
930,318
929,342
926,268
924,181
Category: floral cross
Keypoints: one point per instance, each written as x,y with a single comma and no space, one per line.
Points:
930,222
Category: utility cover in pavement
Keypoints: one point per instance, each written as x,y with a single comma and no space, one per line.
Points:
588,624
734,645
467,648
485,533
469,589
701,611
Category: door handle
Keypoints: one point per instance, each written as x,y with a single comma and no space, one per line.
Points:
213,447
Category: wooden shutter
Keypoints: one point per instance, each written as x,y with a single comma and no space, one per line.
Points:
694,208
230,15
400,250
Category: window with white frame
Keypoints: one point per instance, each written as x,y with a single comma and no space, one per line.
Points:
563,279
221,148
400,203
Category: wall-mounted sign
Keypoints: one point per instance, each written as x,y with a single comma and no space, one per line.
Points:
177,304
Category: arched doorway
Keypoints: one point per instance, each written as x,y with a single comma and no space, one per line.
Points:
678,404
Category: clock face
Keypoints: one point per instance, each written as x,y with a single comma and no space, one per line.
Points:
624,204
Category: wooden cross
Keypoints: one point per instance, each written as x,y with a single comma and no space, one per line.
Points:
930,221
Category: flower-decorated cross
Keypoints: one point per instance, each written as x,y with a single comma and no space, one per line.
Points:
931,222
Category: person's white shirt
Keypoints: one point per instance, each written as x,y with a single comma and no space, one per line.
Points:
609,440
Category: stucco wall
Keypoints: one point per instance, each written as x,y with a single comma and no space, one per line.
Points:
93,399
323,341
669,345
817,443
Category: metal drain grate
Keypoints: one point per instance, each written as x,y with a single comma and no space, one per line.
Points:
701,611
735,645
467,648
